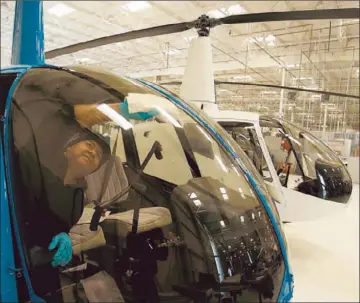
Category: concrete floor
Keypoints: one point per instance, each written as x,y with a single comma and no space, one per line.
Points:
325,256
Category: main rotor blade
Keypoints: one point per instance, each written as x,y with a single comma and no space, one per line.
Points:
344,13
275,86
347,13
290,88
142,33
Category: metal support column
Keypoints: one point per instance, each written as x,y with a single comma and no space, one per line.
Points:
281,107
303,113
325,119
347,91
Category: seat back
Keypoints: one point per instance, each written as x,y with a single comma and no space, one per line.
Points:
117,183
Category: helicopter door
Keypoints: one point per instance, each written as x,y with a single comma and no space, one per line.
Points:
7,246
8,278
293,174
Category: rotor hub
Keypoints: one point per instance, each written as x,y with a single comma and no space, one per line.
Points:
203,24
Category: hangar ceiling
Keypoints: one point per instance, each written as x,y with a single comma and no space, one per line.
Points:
320,54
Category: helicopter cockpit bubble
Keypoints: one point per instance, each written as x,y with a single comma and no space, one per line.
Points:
185,222
308,164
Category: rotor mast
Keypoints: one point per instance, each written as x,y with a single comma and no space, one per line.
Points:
198,80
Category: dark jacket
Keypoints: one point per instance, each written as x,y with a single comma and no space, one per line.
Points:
50,207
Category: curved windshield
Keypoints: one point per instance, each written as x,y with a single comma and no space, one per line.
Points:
249,165
153,206
304,162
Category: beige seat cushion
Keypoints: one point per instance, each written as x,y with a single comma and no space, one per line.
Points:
87,216
149,218
82,238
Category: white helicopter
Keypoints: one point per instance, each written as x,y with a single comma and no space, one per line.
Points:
305,177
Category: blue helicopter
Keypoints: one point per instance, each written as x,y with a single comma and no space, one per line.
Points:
114,189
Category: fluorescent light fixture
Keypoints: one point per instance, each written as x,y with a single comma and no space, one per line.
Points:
60,10
226,11
167,116
225,197
270,39
222,190
310,87
173,51
135,6
222,90
236,10
242,219
222,223
306,78
197,202
269,92
328,104
193,195
253,216
244,77
114,116
86,60
216,14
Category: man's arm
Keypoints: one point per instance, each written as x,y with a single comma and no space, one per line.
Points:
88,115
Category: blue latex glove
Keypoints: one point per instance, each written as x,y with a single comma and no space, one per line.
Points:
124,108
64,252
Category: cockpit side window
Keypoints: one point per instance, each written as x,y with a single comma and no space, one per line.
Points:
282,153
245,135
